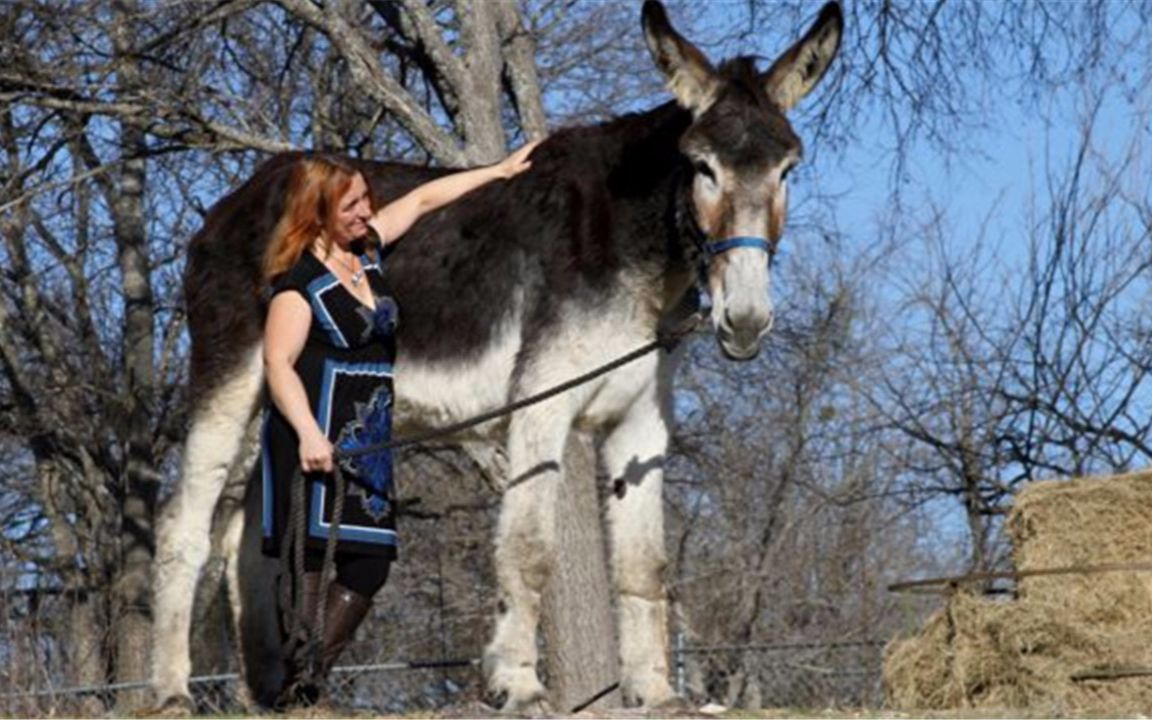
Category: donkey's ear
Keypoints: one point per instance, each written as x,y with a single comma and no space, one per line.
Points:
690,76
800,68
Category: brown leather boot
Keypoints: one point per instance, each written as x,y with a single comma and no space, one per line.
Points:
343,613
307,605
311,597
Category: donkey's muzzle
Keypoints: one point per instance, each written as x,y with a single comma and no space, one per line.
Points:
740,336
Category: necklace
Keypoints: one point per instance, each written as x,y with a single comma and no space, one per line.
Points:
356,275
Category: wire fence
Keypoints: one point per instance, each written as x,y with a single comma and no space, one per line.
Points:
41,675
783,675
798,676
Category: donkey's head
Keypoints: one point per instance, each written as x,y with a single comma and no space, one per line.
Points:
741,148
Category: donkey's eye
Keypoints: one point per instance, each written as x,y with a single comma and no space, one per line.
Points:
785,172
705,169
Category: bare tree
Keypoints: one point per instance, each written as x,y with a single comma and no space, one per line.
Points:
1078,355
1037,368
941,389
88,389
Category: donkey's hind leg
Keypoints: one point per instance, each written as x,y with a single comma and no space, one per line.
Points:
525,548
183,538
256,620
633,455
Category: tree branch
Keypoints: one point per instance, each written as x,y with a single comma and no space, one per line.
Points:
364,65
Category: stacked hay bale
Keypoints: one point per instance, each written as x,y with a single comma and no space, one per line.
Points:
1023,653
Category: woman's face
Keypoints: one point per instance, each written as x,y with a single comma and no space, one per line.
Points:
353,211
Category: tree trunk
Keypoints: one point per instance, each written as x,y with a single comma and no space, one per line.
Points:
86,650
133,594
85,641
581,657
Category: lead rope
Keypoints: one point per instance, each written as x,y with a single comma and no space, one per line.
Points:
303,647
292,591
666,341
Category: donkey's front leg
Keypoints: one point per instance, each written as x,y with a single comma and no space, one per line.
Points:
634,458
525,548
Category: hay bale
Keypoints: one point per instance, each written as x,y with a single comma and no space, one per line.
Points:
918,670
1021,654
1088,521
983,654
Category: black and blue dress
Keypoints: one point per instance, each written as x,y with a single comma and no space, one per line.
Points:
346,369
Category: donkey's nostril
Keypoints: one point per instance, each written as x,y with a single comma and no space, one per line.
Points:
726,320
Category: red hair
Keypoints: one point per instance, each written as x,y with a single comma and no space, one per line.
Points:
318,182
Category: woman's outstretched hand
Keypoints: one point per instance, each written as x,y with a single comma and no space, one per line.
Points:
518,161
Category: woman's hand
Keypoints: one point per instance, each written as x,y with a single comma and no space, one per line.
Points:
518,161
394,219
316,453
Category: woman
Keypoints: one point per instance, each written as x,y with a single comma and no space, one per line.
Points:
328,353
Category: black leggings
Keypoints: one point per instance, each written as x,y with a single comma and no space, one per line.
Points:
363,574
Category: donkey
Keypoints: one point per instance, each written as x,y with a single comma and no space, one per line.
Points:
521,285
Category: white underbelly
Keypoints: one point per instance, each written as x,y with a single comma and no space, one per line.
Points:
437,394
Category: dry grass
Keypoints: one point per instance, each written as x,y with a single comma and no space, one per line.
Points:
1020,654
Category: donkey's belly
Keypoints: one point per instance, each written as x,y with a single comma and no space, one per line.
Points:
434,394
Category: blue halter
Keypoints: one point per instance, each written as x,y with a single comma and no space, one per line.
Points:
715,247
712,248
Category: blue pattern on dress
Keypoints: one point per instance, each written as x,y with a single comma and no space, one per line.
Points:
372,426
380,320
386,316
316,292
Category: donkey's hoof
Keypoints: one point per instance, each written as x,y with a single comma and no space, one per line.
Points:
673,703
173,706
503,703
536,708
495,699
517,693
655,694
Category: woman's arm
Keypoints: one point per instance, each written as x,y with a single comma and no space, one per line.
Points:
394,219
285,333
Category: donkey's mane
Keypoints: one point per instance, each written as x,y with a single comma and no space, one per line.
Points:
743,76
746,126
